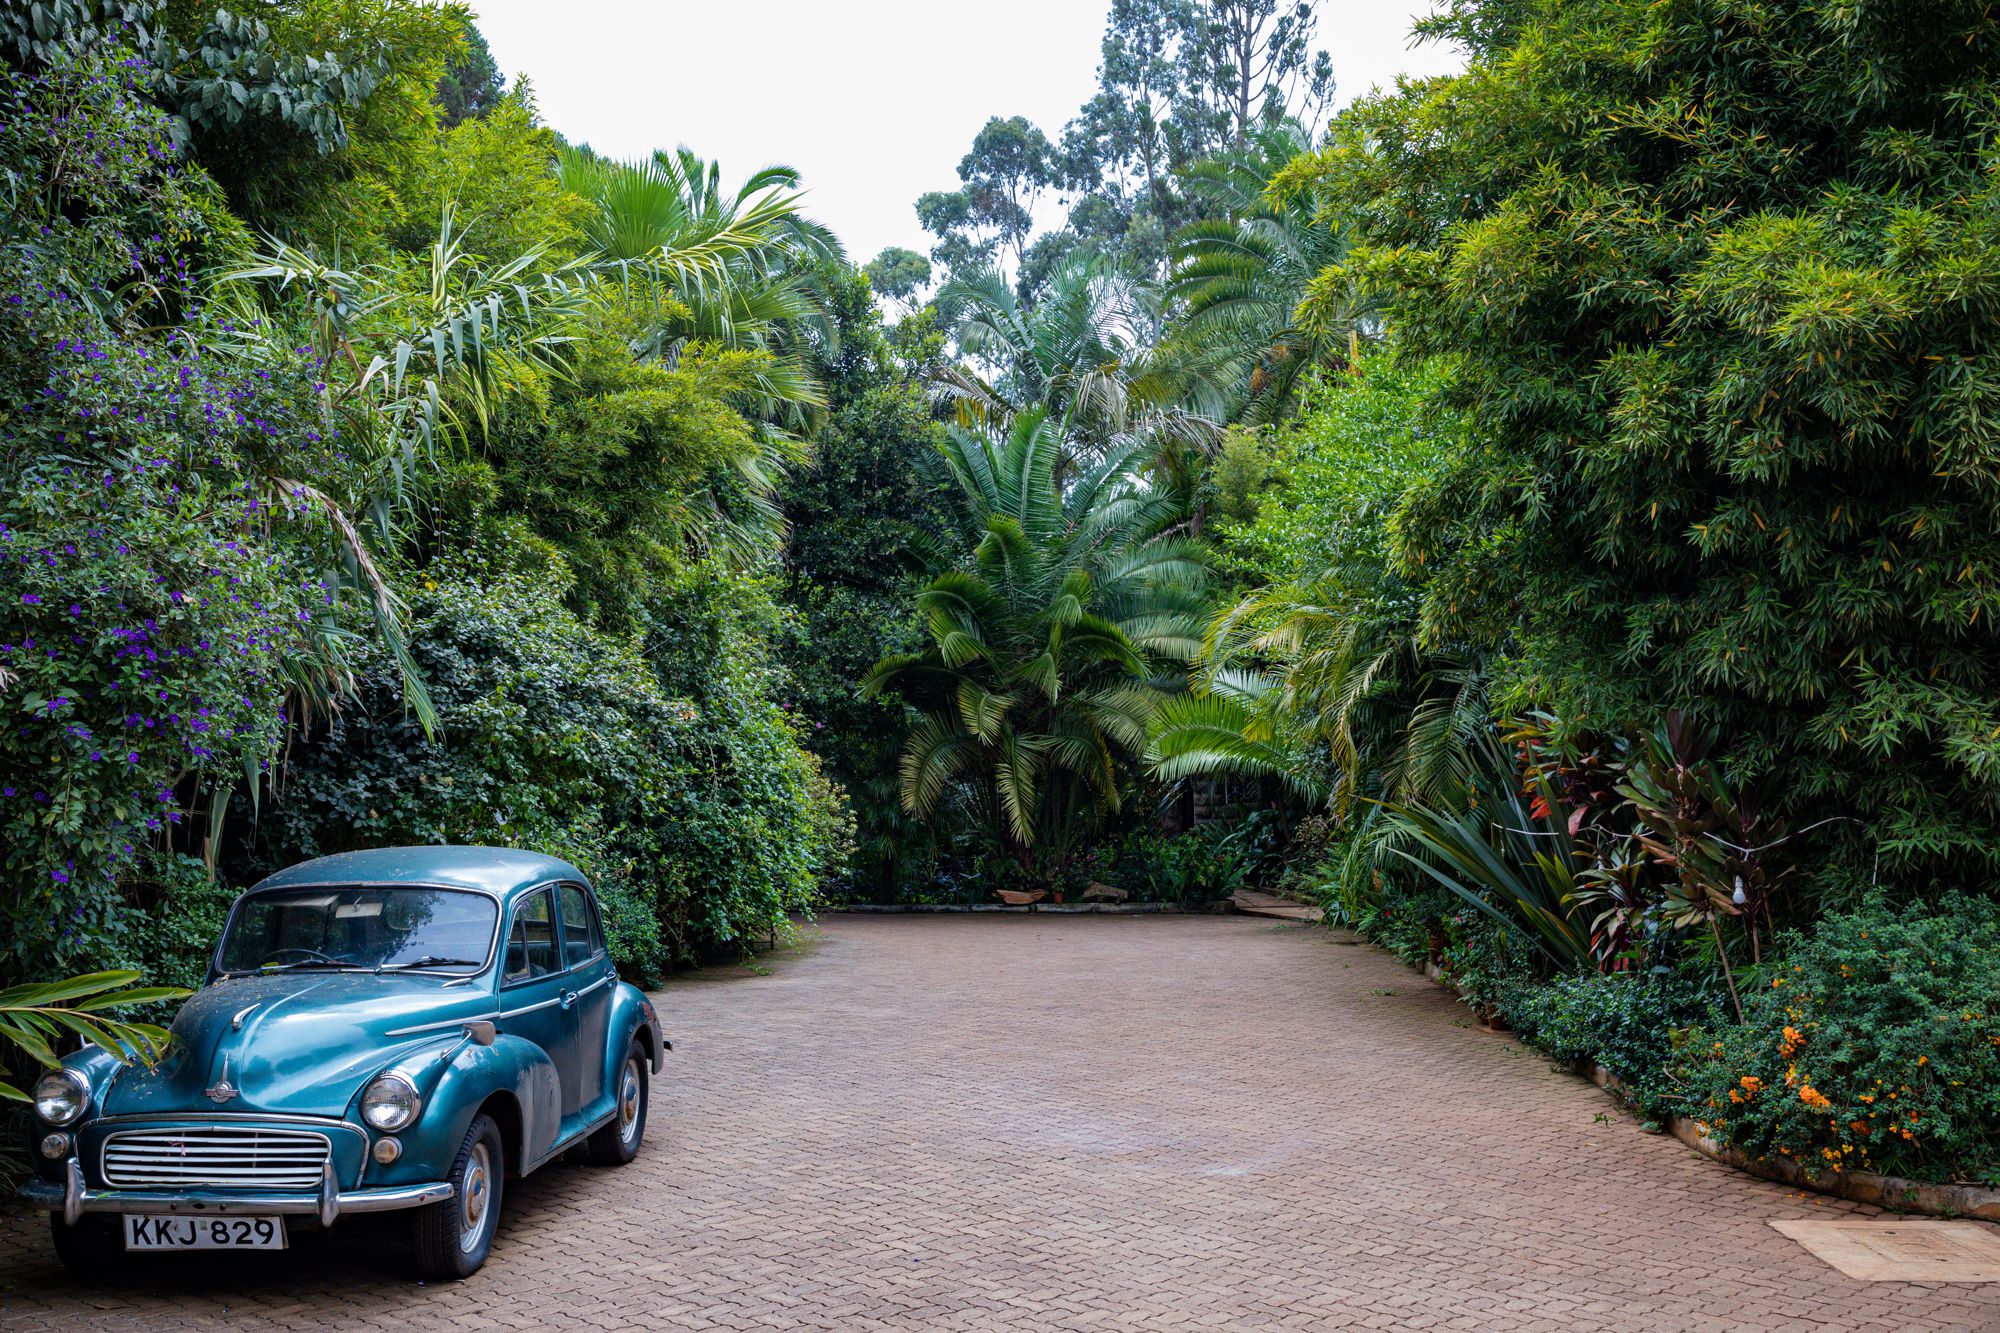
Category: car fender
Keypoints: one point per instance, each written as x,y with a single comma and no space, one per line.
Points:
456,1080
632,1015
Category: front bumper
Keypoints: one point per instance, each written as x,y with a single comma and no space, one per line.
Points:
72,1198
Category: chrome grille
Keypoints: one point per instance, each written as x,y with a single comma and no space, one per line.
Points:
216,1155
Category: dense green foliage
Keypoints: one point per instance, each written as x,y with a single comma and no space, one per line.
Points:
417,521
1634,1027
1040,675
1545,512
863,522
1315,674
695,814
1716,280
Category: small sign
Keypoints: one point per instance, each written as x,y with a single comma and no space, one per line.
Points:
204,1233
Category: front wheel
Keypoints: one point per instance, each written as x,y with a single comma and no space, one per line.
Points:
618,1142
91,1245
454,1235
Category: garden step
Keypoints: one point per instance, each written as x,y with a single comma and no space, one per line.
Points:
1258,903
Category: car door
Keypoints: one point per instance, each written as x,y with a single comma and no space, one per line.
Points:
590,984
533,982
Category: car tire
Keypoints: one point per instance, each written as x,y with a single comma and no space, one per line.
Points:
90,1245
453,1236
618,1142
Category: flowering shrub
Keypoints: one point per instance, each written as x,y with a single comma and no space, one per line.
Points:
146,640
1874,1046
153,596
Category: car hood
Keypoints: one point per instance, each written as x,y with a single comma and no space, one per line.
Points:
299,1044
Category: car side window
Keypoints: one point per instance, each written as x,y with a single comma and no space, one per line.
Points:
580,940
531,945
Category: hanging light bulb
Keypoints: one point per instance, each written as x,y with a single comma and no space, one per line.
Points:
1739,897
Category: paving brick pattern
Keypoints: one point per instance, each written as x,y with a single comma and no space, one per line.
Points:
1078,1123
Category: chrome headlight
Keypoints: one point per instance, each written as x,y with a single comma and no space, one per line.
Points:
390,1103
62,1096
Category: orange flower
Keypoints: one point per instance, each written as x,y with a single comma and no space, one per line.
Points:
1812,1097
1751,1083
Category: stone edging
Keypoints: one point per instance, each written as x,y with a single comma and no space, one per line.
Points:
1891,1192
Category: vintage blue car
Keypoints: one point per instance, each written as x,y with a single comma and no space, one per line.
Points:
392,1029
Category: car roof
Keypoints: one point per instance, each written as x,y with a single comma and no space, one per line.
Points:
498,870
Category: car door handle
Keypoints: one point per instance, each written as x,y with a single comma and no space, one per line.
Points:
568,998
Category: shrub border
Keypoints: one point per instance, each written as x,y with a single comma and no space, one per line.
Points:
1894,1193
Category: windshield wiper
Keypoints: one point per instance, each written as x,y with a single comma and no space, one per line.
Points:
267,969
430,960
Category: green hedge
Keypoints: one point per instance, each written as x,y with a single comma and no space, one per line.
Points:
698,815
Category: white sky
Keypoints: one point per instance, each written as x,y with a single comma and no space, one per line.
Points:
874,102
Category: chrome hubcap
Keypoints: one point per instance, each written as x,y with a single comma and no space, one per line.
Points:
629,1099
474,1195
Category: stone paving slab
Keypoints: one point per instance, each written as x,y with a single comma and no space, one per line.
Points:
1105,1123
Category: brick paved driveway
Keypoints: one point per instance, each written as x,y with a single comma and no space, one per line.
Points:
1056,1123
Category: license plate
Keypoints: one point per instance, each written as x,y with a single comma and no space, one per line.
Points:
204,1233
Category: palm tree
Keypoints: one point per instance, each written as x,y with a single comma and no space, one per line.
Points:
420,358
755,286
37,1019
1053,644
1078,354
1297,684
1237,283
670,202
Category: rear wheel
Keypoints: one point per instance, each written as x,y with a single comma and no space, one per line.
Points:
454,1235
90,1245
618,1142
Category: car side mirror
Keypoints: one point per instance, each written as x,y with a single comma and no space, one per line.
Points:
480,1031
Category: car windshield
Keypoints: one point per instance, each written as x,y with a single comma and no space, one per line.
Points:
407,929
